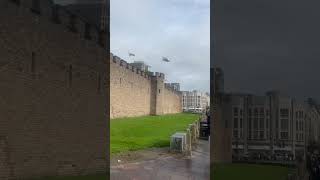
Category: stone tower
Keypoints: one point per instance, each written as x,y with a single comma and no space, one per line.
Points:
157,93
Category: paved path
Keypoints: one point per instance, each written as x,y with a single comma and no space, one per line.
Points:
168,168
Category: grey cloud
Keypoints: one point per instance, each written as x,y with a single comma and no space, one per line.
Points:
269,44
178,30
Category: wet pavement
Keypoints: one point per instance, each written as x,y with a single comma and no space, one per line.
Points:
170,167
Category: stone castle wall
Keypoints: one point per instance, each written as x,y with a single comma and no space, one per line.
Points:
130,91
137,93
53,95
172,101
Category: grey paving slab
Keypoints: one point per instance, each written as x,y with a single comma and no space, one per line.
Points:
195,167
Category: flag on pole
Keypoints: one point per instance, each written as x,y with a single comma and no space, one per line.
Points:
165,59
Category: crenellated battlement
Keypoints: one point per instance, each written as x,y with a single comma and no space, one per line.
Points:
124,64
60,15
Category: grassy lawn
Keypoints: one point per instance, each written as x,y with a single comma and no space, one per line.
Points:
135,133
250,172
90,177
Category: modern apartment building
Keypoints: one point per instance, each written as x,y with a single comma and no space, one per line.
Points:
195,100
270,124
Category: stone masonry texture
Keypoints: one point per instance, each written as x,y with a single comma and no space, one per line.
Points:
136,93
53,99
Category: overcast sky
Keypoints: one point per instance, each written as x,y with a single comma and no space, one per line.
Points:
176,29
269,44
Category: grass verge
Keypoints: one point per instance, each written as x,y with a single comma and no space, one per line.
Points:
135,133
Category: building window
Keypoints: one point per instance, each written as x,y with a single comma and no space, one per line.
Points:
261,112
235,133
235,111
235,123
241,123
261,134
255,123
284,124
256,112
284,135
261,123
255,135
159,91
284,113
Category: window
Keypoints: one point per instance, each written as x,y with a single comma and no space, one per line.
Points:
241,123
261,123
284,135
240,112
267,123
235,111
159,91
284,113
255,112
255,135
235,123
235,134
261,112
261,134
255,123
284,124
